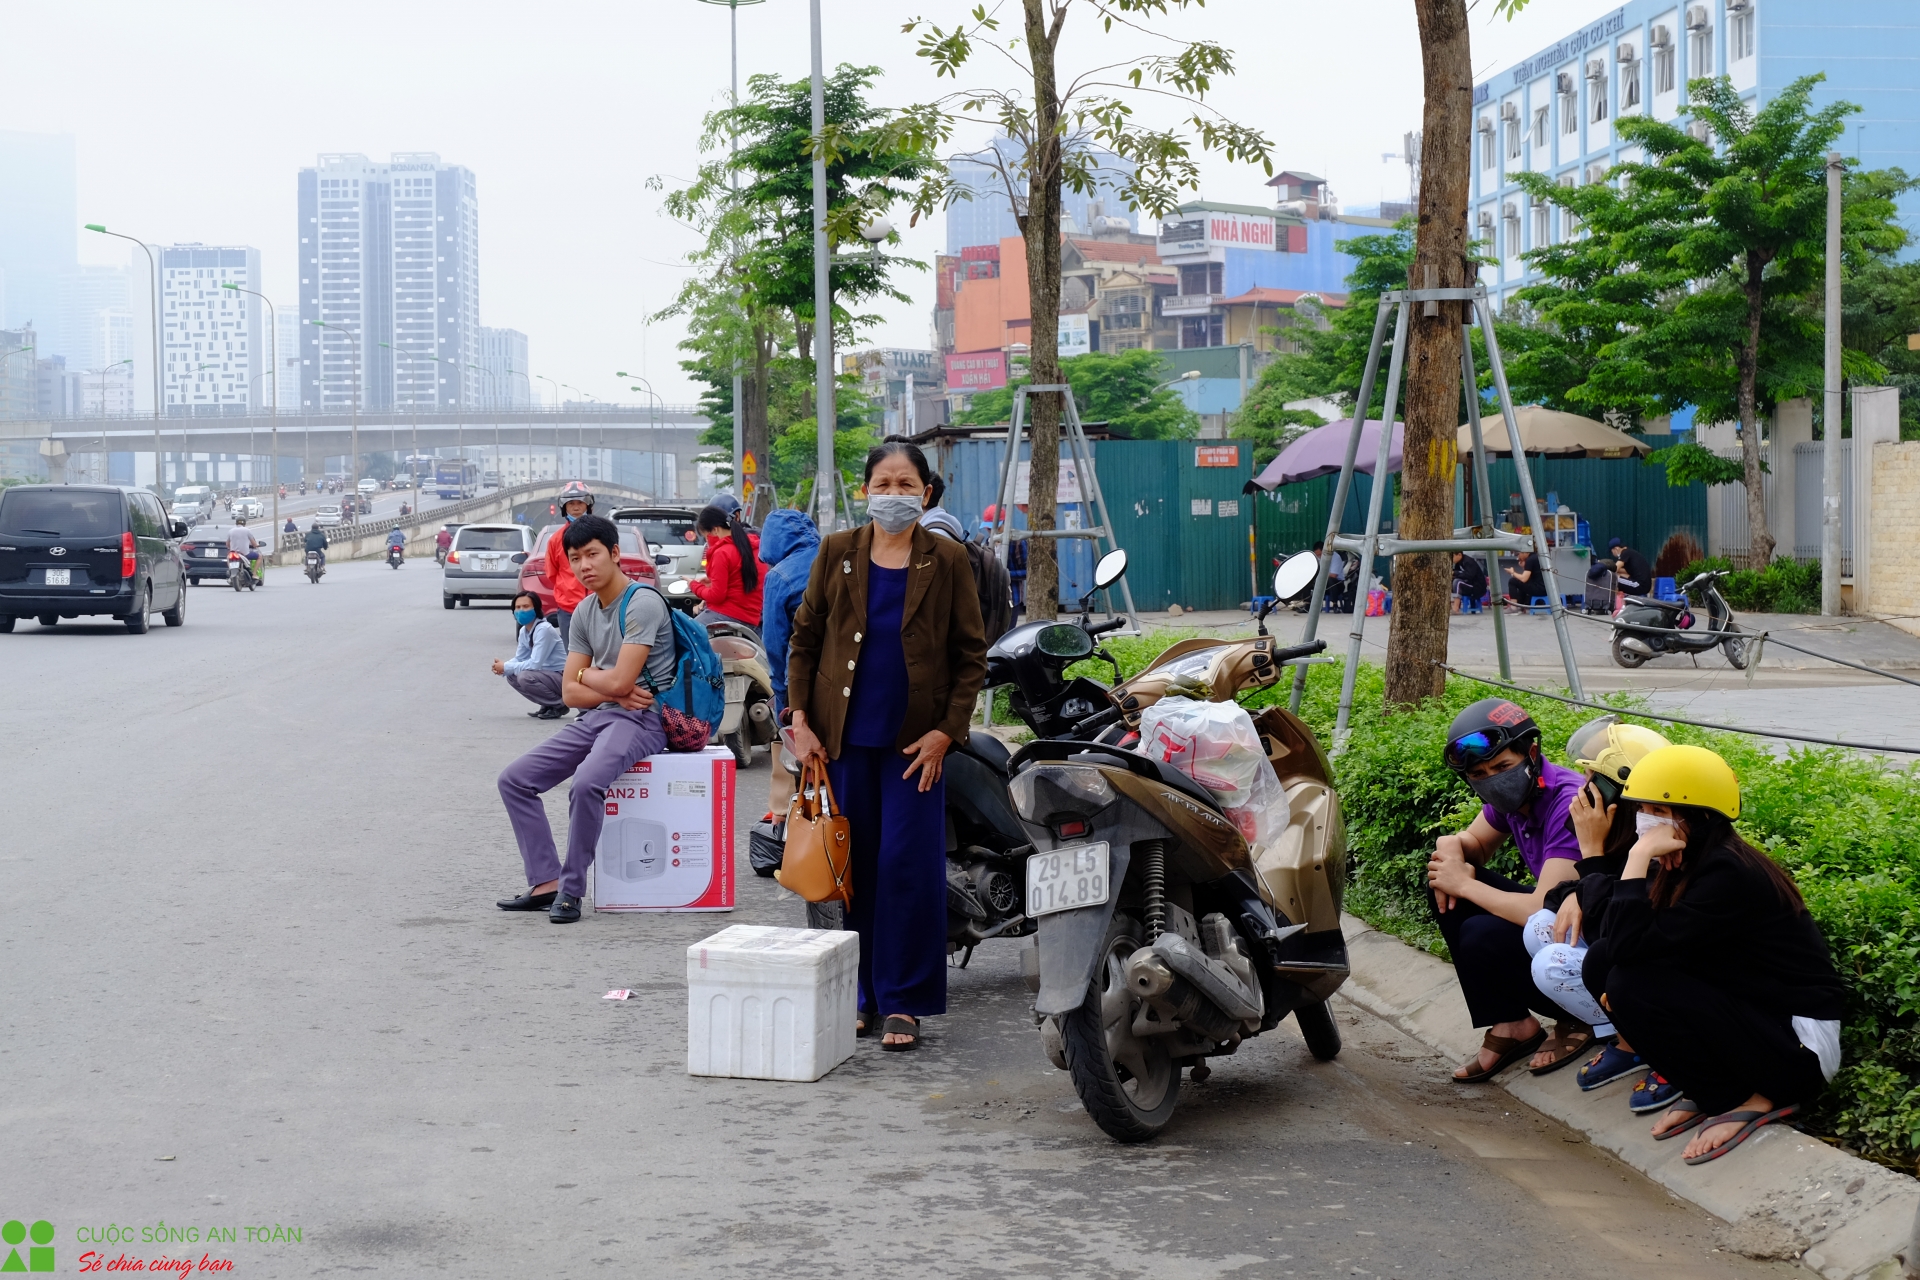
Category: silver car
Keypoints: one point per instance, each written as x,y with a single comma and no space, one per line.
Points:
484,563
678,550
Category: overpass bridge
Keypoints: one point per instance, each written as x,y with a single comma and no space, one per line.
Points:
511,432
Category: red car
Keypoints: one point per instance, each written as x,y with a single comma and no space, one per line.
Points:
635,561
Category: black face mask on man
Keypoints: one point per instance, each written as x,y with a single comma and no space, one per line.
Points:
1509,790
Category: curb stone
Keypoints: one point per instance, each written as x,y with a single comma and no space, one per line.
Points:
1781,1191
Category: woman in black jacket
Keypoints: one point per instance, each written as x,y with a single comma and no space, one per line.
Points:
1710,962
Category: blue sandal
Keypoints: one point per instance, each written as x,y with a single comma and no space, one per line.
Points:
1610,1064
1652,1094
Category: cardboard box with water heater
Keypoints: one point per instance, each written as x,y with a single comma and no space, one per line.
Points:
668,840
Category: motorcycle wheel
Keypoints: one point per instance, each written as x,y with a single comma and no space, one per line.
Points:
1319,1030
1128,1085
1735,648
736,742
1625,656
826,915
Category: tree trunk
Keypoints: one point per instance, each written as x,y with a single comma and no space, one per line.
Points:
753,424
1759,539
1417,636
1040,228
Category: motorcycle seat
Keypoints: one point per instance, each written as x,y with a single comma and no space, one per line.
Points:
1648,602
988,749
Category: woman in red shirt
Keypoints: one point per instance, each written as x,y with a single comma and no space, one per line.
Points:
734,572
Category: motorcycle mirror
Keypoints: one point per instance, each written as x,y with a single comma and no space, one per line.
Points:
1063,640
1112,567
1295,575
679,587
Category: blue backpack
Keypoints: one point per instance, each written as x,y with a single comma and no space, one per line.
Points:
699,685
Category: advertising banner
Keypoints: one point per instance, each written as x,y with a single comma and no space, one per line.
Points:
976,371
1076,338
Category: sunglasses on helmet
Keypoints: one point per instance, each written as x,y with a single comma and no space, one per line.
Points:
1470,750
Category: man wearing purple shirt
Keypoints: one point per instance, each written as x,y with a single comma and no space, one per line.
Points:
1495,746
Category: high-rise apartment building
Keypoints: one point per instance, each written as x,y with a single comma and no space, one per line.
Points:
212,340
503,364
39,226
286,351
389,254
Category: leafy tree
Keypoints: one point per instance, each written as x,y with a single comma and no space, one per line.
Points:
1691,283
1121,389
1057,129
1880,300
750,305
1264,419
1330,365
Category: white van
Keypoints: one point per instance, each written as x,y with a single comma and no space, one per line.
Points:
192,504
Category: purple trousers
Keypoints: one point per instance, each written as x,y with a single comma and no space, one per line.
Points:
593,751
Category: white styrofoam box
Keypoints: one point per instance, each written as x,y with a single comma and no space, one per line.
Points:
667,844
771,1004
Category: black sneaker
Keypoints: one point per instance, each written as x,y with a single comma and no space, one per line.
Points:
565,909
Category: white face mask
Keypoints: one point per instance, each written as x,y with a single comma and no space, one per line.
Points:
1645,822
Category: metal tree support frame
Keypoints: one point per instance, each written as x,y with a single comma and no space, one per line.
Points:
1081,454
1482,535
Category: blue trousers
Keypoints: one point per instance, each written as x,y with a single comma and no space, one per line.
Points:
899,880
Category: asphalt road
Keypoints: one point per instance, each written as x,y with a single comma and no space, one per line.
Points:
252,977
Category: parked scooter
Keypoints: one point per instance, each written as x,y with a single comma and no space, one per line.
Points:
316,567
1644,627
240,572
1164,940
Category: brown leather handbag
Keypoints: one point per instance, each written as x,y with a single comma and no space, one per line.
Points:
817,862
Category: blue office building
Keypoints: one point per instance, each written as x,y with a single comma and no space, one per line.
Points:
985,217
1555,113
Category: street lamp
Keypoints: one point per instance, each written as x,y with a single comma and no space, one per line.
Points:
153,296
733,141
353,463
653,466
102,375
556,431
273,352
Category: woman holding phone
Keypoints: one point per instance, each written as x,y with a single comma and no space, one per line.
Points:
1710,962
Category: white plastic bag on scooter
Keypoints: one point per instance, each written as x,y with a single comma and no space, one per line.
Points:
1216,745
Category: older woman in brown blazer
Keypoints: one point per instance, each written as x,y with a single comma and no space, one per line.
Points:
887,656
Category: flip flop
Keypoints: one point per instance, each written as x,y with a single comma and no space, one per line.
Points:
1568,1041
1507,1050
1682,1107
900,1025
1610,1064
863,1022
1750,1123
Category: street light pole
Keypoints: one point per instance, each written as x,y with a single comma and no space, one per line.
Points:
653,466
1830,424
273,348
153,296
556,430
823,415
413,418
353,463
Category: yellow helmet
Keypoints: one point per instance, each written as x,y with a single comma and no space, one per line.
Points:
1611,749
1685,775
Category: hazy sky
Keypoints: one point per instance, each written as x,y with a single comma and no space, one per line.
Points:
192,118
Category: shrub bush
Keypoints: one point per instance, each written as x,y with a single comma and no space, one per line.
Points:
1785,586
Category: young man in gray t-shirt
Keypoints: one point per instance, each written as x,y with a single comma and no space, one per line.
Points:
609,668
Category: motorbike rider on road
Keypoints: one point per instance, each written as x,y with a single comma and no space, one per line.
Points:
397,538
316,541
241,539
575,501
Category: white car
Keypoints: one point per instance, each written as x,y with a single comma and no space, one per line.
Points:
369,485
249,508
325,516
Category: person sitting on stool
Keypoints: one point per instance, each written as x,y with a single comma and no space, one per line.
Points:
538,661
1469,580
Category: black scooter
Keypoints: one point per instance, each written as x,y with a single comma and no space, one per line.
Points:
1645,628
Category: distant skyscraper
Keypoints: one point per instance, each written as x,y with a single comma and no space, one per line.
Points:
287,352
39,226
503,361
390,252
85,294
212,340
987,218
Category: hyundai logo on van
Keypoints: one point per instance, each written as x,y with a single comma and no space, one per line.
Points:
56,551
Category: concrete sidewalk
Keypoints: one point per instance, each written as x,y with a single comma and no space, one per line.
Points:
1783,1191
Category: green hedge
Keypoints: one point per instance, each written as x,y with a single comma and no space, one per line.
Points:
1846,827
1785,586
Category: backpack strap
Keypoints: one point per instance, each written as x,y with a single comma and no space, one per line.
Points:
628,595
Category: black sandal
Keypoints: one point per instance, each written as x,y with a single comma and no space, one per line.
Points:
899,1024
863,1023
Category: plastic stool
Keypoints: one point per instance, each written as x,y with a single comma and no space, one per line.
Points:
1538,605
1258,603
1663,589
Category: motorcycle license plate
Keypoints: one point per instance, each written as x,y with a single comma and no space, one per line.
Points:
59,577
1063,879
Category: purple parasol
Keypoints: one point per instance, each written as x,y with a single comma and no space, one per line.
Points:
1321,451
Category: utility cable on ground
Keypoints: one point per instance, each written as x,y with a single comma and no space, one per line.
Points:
1698,724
